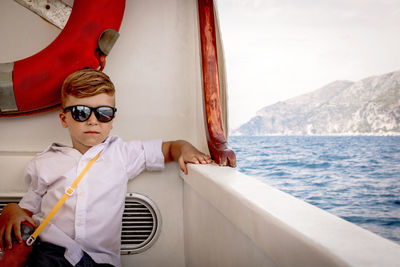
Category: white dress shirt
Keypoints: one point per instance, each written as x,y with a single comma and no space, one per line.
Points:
91,219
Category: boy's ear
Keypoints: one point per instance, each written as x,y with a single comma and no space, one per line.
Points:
62,116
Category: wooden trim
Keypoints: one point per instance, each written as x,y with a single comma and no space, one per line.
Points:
217,144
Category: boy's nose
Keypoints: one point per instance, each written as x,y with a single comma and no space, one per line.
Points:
92,119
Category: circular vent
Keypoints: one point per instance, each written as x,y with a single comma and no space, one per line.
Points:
141,224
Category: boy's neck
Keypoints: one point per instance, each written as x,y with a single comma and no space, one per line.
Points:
82,148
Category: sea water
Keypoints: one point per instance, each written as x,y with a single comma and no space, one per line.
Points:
354,177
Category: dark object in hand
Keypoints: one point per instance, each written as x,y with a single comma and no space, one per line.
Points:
26,230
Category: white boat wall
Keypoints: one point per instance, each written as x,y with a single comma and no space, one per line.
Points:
214,216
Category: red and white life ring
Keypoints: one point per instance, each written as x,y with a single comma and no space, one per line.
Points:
32,84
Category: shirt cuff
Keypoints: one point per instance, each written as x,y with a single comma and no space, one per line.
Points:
153,154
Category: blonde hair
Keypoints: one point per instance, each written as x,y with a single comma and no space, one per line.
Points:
85,83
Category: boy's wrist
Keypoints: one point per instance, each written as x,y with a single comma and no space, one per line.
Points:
28,212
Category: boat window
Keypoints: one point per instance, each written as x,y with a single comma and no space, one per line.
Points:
276,50
314,93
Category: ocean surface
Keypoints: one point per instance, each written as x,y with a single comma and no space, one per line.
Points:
354,177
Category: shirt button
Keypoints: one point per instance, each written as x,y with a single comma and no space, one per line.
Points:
79,223
81,194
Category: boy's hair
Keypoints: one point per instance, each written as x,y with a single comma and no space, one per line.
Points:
85,83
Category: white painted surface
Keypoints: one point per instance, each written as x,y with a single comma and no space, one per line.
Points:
165,189
212,240
155,66
288,230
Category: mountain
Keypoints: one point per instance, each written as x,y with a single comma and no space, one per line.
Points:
370,106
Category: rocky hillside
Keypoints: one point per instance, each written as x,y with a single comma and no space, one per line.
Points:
369,106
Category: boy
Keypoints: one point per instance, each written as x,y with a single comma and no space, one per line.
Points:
80,233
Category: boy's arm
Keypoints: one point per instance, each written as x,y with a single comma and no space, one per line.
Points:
11,218
183,152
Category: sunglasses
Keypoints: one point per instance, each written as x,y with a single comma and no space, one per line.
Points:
82,113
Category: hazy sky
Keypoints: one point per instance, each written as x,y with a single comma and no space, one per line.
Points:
278,49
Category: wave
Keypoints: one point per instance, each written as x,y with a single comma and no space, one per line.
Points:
354,177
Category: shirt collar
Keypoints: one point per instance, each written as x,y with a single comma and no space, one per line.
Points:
92,152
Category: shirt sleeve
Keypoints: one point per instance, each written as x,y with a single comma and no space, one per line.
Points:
142,156
36,189
154,155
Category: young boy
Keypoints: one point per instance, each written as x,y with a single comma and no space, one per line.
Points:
81,232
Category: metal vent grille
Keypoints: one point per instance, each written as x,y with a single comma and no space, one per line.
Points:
141,222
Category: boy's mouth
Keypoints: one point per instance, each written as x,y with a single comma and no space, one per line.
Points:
92,132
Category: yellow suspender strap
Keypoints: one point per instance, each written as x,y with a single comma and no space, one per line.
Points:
68,192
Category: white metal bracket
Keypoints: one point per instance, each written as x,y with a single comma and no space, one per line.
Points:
54,11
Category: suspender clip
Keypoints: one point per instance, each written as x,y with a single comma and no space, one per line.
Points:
30,241
69,191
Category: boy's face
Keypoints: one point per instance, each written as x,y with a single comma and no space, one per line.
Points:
89,133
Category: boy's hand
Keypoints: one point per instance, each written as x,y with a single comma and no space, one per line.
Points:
189,154
10,220
184,152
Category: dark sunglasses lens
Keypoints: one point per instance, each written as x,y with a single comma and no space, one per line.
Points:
80,113
104,114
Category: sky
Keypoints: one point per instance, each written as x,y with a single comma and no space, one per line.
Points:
278,49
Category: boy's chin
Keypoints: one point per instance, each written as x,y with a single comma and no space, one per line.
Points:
92,141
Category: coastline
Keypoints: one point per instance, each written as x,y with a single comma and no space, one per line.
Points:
323,134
